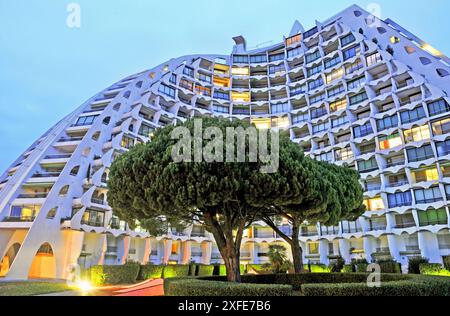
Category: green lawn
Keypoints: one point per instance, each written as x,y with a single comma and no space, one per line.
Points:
32,288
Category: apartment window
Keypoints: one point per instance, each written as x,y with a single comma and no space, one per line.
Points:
438,107
339,121
314,70
421,153
443,148
316,113
441,127
433,217
276,57
351,52
344,154
187,84
93,218
400,199
356,83
173,79
280,108
204,78
313,248
350,38
335,91
240,59
315,84
169,91
353,67
320,128
258,59
275,69
312,57
203,90
86,120
391,141
417,134
25,213
240,71
365,166
294,39
299,118
332,62
325,157
188,71
363,130
146,130
317,98
294,52
127,142
425,175
240,96
425,196
280,122
413,115
373,59
358,98
220,108
375,204
387,122
298,90
351,227
338,105
311,32
334,75
221,95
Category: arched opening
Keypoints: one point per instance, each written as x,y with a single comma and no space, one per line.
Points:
442,72
117,107
127,94
107,120
44,264
64,190
8,259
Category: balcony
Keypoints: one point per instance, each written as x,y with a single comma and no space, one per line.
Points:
397,184
92,222
196,254
112,249
404,225
42,195
21,219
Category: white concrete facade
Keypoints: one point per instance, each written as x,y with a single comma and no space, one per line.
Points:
352,90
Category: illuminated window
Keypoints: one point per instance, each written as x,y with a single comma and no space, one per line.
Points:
338,105
127,142
261,123
425,175
240,71
203,91
280,122
313,248
293,39
220,69
375,204
344,154
441,127
417,134
221,82
174,248
394,40
240,96
391,141
335,75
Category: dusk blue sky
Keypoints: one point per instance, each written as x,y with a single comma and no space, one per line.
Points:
48,69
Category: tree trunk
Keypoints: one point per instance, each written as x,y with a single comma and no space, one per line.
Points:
297,252
232,263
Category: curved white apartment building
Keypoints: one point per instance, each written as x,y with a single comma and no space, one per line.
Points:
352,90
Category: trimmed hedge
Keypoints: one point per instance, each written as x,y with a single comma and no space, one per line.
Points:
205,270
348,268
175,271
414,264
433,269
197,287
447,262
112,275
413,286
390,266
150,271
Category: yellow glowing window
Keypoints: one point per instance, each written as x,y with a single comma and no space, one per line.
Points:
221,82
240,71
280,122
240,96
313,248
417,134
395,40
335,75
261,123
174,248
375,204
203,90
338,105
293,39
390,142
221,69
426,175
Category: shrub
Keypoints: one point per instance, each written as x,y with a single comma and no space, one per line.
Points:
361,265
150,271
174,271
389,266
112,275
223,269
414,264
447,262
337,265
197,287
433,269
348,268
205,270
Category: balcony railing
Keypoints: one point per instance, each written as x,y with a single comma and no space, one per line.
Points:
111,249
412,248
33,196
98,201
58,156
46,175
196,254
444,246
432,223
398,184
383,250
405,225
23,219
93,223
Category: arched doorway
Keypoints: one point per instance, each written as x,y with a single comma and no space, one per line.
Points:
44,264
8,259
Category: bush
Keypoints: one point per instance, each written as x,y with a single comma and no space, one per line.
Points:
337,265
174,271
389,266
205,270
112,275
447,262
197,287
361,265
223,269
150,271
348,268
433,269
414,264
413,286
